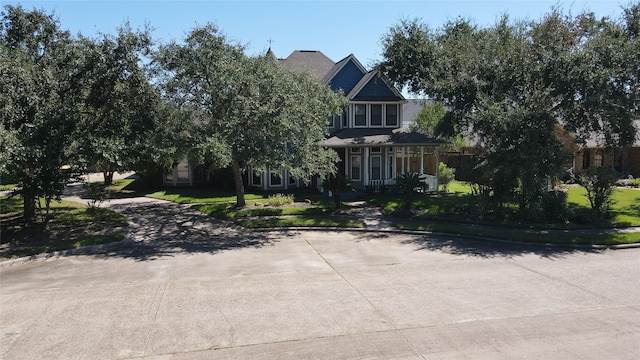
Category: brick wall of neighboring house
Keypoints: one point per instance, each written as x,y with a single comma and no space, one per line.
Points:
631,161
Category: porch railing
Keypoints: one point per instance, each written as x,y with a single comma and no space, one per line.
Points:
430,182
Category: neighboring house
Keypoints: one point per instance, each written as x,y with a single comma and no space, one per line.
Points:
369,137
624,160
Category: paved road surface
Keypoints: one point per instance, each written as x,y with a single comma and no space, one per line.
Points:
319,295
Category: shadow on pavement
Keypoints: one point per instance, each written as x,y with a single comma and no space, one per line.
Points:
492,249
165,229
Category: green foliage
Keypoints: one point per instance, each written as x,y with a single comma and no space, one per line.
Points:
71,225
510,83
445,175
599,183
257,113
97,192
407,184
428,118
39,104
280,199
119,104
337,184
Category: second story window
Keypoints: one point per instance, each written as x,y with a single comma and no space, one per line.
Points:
376,115
392,115
360,115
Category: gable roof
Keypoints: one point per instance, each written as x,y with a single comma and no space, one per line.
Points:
373,86
312,61
597,141
341,64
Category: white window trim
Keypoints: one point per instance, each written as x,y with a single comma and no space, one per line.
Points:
359,178
382,114
355,150
281,178
367,113
253,174
379,157
384,119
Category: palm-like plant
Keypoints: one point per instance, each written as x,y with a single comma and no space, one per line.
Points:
337,184
407,184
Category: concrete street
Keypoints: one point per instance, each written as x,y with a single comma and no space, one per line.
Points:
318,295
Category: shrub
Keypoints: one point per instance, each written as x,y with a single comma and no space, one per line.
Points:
554,205
406,184
280,199
337,184
599,182
445,175
97,192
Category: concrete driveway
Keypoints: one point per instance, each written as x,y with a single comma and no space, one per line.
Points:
192,288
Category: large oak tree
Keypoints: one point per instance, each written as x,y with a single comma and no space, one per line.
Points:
250,111
515,84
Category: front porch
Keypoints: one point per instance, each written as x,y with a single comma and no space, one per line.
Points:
372,159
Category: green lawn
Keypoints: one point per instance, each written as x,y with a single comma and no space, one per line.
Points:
195,195
71,225
447,213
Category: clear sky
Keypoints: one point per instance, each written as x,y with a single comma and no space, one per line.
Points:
337,28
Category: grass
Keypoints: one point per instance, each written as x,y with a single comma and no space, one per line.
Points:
300,222
195,195
4,187
533,236
71,225
449,210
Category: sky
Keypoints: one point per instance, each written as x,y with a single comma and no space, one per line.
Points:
337,28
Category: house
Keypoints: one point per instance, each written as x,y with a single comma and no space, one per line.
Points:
369,137
373,145
624,160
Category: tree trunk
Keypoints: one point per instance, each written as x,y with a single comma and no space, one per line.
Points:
29,207
239,185
336,200
108,177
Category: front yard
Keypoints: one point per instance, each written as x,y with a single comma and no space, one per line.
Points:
71,225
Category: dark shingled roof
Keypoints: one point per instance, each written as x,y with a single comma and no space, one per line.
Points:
312,61
371,137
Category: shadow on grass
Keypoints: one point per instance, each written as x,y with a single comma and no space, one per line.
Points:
166,229
459,245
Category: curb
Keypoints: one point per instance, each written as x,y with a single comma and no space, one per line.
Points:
459,236
84,250
97,249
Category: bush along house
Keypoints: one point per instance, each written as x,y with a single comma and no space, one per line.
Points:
373,146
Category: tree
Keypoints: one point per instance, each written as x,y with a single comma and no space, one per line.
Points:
38,98
427,121
253,112
119,102
514,84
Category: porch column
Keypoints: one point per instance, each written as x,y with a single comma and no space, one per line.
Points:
437,151
285,178
403,160
365,165
347,168
267,178
421,159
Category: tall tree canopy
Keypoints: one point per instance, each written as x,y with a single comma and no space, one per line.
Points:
119,104
251,111
39,97
514,84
